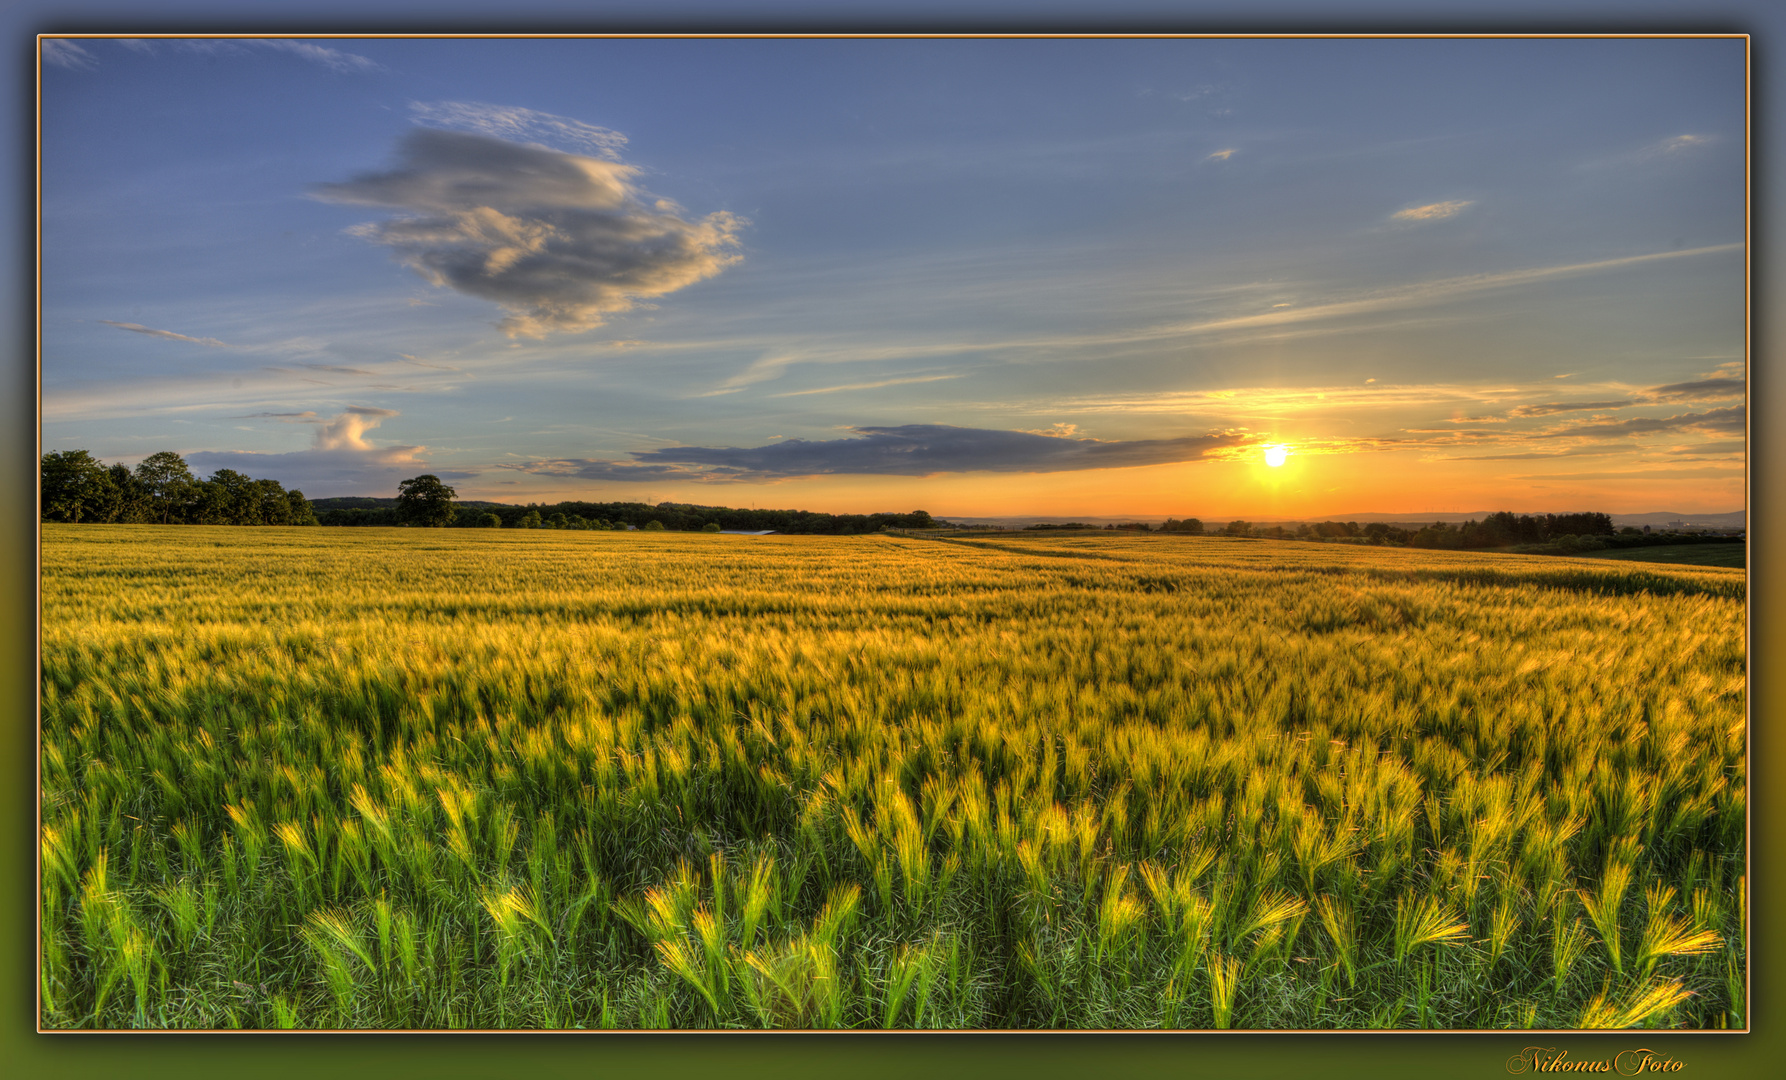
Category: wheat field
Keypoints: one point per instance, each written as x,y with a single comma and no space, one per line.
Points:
419,779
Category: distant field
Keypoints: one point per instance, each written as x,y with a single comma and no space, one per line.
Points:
365,778
1684,554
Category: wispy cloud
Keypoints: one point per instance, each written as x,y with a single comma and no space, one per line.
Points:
868,385
1433,211
1737,447
907,450
515,124
1650,475
1247,313
1277,400
139,328
560,241
1550,408
1679,144
1221,155
419,362
1539,455
333,59
1673,148
1431,292
64,53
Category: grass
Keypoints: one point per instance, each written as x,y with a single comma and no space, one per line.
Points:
461,779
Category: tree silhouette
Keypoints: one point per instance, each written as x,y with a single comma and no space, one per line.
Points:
424,500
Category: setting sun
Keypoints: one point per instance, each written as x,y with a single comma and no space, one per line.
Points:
1275,454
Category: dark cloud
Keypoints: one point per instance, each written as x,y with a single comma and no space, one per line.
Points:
559,240
1720,421
1701,390
908,450
1554,407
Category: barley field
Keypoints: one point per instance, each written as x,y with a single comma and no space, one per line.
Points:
418,779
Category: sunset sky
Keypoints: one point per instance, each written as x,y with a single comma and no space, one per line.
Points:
978,277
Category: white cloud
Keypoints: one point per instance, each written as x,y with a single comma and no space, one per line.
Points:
348,431
560,240
340,461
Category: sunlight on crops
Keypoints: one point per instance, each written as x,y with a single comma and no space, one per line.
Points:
434,779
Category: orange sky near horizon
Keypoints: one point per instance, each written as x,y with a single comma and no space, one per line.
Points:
1312,487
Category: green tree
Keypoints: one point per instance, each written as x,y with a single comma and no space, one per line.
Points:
168,484
74,486
531,520
1238,528
128,504
490,521
269,505
711,527
654,526
424,500
299,510
227,498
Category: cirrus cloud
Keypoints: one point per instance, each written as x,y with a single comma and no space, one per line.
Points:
139,328
560,241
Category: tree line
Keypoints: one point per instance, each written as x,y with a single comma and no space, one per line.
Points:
1502,529
77,487
580,515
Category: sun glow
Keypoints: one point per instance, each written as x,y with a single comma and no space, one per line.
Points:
1275,454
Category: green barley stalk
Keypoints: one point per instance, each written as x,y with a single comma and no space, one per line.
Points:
1603,908
1224,975
1424,922
1338,921
1650,1000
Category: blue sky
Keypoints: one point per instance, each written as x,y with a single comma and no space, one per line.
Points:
1011,276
